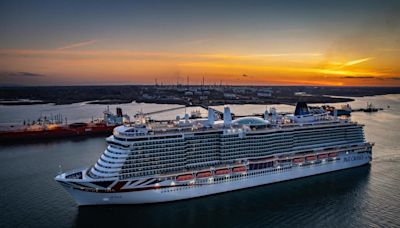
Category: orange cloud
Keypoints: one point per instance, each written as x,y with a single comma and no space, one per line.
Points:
76,45
357,61
295,68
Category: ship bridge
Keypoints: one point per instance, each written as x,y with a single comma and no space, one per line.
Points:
138,130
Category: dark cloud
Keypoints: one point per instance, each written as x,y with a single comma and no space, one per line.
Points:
371,77
20,74
362,77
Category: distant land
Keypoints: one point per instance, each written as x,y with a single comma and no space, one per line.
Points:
186,95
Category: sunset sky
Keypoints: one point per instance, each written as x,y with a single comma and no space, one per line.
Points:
335,43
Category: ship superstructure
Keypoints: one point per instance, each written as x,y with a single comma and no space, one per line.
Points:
148,162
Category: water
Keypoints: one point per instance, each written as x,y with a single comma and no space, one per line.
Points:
368,196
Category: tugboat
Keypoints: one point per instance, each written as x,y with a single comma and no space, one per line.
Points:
370,108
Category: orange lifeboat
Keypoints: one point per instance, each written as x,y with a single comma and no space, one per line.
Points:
184,177
322,156
239,169
204,174
311,158
332,155
266,159
222,171
298,160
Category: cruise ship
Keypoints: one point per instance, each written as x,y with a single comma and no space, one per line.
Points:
160,161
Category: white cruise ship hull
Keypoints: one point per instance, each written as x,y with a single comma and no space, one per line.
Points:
246,180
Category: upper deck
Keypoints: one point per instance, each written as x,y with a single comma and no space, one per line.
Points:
271,121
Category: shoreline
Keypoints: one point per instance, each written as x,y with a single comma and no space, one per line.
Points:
213,103
186,95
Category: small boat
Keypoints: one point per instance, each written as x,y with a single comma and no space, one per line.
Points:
311,158
222,172
204,174
332,155
370,108
184,177
239,169
298,160
322,156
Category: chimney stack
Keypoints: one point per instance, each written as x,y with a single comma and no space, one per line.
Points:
211,116
227,116
266,114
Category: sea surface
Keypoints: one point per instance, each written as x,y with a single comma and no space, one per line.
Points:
367,196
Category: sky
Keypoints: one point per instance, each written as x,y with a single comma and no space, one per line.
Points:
287,42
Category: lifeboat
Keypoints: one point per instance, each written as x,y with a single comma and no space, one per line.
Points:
260,160
239,169
184,177
311,158
322,156
332,155
204,174
222,171
298,160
